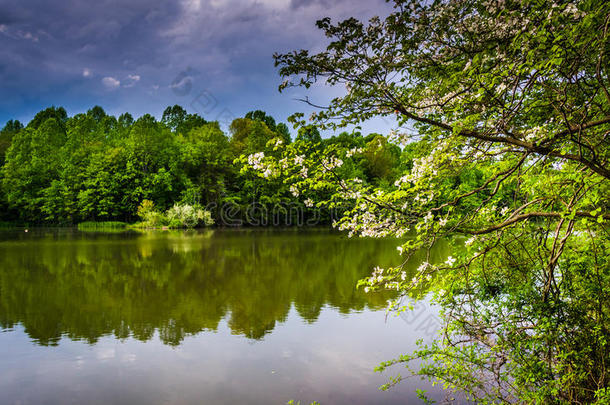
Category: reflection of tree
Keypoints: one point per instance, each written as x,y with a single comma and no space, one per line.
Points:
181,283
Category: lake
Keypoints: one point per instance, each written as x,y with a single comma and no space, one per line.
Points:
248,316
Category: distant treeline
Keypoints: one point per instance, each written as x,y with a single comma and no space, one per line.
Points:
96,167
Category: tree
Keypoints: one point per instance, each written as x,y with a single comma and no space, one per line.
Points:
179,121
173,117
249,136
97,113
58,113
510,104
283,131
106,187
207,163
152,164
381,159
125,120
310,134
31,165
6,136
262,116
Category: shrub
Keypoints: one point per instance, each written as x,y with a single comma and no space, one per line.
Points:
146,210
188,216
179,216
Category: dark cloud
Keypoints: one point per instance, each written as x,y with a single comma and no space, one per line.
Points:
6,16
129,56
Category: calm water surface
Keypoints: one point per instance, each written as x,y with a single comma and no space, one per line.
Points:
208,317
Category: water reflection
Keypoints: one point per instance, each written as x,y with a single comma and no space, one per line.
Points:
85,286
186,318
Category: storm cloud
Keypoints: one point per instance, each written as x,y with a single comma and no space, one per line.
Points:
211,56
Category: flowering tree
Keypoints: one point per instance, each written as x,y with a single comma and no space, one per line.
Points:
510,103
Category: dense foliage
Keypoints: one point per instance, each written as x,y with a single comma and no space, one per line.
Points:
96,167
510,107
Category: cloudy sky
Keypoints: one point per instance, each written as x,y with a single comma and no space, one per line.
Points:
213,57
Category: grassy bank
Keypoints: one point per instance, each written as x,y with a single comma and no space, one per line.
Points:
107,225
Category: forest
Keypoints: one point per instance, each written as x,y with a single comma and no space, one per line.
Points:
61,170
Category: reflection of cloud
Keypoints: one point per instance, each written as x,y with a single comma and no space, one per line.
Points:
105,354
128,358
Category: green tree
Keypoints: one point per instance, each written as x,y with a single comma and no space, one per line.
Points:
208,164
125,121
31,165
283,132
347,140
173,117
105,188
179,121
58,113
511,110
262,116
249,136
6,135
97,113
381,159
152,165
87,134
309,134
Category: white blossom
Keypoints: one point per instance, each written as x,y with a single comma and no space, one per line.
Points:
353,152
428,217
422,267
331,163
256,160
